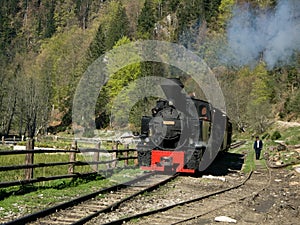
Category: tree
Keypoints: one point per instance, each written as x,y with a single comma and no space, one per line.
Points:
116,24
9,26
133,9
64,15
50,21
120,79
146,20
259,109
211,9
225,12
236,89
82,8
97,46
292,105
190,12
62,60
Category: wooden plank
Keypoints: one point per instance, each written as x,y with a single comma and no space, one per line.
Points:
76,163
22,152
40,179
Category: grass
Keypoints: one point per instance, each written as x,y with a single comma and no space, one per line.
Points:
246,149
28,199
250,162
56,143
32,198
21,200
290,135
6,160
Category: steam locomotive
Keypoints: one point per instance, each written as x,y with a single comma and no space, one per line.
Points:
179,132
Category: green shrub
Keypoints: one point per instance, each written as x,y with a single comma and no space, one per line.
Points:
265,136
276,135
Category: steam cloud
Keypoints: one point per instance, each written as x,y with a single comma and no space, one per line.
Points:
271,35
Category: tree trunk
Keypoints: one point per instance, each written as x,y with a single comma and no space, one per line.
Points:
11,116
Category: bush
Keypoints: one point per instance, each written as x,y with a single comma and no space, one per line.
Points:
266,136
276,135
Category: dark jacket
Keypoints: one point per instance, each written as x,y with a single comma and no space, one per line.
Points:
260,145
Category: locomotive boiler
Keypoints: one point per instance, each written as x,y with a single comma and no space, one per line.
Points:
176,135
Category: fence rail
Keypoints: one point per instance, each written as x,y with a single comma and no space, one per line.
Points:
115,155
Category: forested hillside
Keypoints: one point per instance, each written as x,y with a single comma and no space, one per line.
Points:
46,45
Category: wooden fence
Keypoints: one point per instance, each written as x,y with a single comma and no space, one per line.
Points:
116,154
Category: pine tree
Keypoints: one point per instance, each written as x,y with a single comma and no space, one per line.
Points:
82,8
8,27
117,25
211,9
146,20
50,21
97,47
171,5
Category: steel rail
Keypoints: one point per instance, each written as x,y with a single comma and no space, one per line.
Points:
114,206
75,201
231,202
237,144
151,212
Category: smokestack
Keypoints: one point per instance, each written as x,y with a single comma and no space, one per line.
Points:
172,88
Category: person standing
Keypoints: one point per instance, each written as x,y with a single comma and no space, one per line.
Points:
258,145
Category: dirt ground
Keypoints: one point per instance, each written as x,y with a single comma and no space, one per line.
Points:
270,196
277,203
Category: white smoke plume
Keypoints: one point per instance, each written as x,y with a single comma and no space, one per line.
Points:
272,35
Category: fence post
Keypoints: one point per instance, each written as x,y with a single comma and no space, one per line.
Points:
115,155
72,157
96,157
135,154
29,158
126,155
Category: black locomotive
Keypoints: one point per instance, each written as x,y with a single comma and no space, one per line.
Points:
178,133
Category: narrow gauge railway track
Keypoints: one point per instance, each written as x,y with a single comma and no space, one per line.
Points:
199,206
237,144
83,209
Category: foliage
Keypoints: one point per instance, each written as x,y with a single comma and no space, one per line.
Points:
119,80
146,20
293,103
289,135
259,107
116,24
42,196
265,136
45,47
276,135
97,46
225,14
